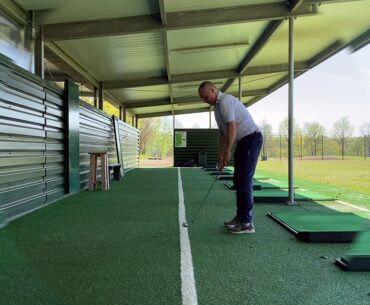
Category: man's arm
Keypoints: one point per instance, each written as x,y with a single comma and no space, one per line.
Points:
222,143
226,143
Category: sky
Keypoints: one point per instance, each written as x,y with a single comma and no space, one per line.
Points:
338,87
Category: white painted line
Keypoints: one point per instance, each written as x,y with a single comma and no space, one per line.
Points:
353,206
188,290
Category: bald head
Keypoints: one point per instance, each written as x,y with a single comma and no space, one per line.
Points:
208,92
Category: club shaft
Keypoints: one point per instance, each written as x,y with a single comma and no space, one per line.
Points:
204,200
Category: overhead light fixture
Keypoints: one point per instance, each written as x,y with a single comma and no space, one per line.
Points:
215,47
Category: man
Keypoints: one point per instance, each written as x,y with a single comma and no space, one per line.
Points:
236,126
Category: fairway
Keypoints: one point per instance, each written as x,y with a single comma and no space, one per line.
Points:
347,180
123,247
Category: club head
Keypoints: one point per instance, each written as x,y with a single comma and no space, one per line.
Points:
185,225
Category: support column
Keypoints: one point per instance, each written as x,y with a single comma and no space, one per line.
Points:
124,115
120,112
291,114
39,46
39,56
100,100
136,120
72,134
173,122
95,97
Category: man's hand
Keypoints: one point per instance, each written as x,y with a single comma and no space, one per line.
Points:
226,158
223,160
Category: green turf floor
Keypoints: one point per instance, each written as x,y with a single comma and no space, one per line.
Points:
116,247
316,222
268,267
122,247
361,246
265,195
266,184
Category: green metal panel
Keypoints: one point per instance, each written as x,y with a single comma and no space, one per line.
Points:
198,140
72,141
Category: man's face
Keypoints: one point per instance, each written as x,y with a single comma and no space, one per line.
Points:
208,95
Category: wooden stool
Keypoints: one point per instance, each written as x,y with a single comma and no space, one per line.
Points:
104,170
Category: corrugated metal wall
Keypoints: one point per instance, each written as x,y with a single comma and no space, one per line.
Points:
31,142
97,135
198,140
32,149
129,138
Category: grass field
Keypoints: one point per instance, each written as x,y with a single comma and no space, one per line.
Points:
348,180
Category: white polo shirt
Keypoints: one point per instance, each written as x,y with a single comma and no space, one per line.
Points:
228,108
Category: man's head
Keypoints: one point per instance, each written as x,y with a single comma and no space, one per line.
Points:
208,92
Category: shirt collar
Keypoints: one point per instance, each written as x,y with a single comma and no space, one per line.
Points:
218,97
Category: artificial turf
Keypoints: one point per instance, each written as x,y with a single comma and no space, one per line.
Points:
361,246
122,247
115,247
268,267
316,222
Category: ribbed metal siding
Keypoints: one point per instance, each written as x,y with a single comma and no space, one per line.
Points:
129,138
96,135
31,142
55,148
198,140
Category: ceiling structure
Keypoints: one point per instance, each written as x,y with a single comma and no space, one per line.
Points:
151,55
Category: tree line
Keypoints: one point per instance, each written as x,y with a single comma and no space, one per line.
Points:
313,140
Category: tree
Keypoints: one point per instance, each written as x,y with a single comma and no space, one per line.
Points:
283,132
313,132
146,130
266,130
365,132
342,130
284,125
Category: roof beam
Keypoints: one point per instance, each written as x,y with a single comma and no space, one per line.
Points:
133,83
185,100
270,29
177,20
293,5
162,9
360,41
167,113
331,50
165,48
201,76
15,11
148,103
72,63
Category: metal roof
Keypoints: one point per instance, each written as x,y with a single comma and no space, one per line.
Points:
151,55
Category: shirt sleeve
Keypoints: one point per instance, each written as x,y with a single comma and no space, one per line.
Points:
227,110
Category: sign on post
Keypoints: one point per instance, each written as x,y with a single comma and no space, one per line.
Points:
180,139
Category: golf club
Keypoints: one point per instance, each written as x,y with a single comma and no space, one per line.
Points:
185,224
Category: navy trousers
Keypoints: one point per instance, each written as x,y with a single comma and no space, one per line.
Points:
245,162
